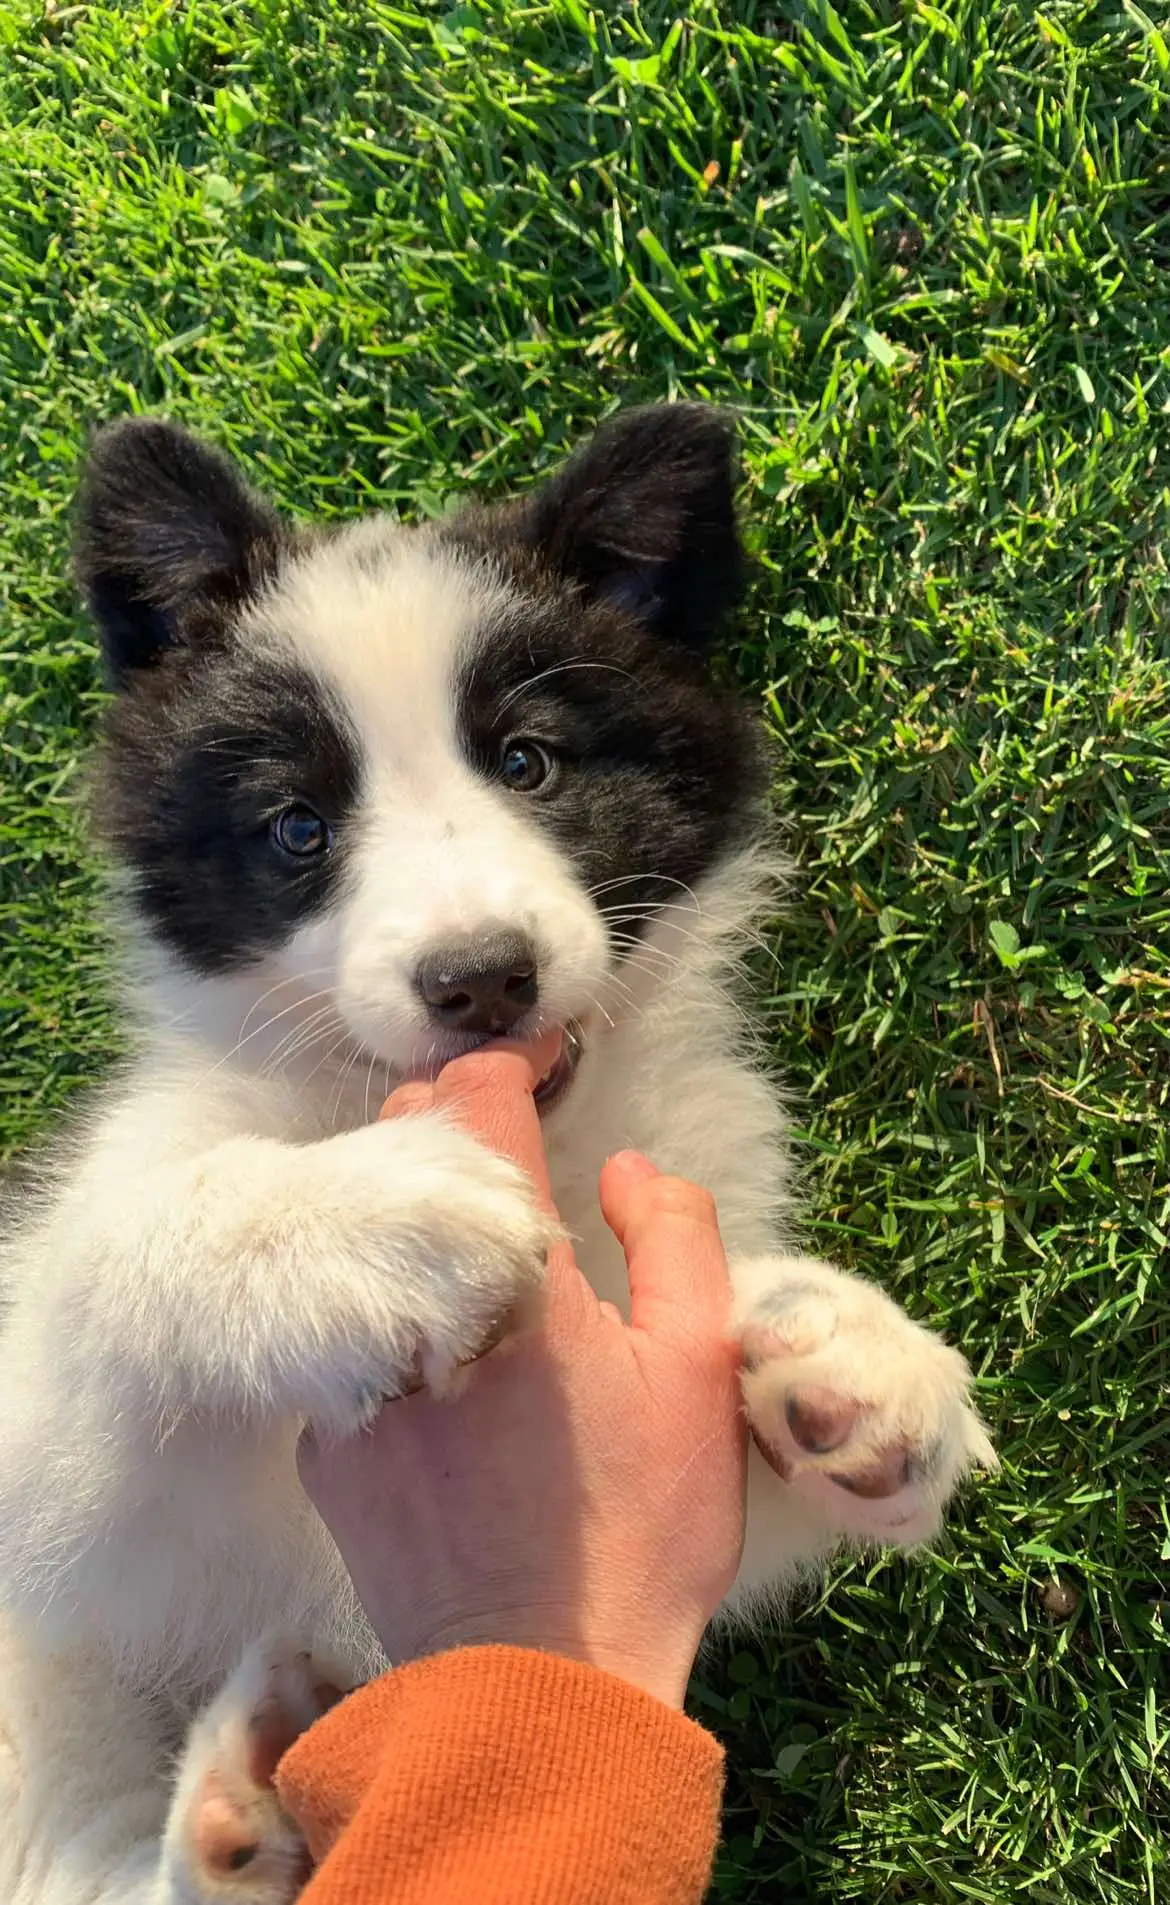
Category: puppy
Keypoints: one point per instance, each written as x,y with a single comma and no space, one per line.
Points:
375,795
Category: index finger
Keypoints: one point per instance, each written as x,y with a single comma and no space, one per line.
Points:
490,1094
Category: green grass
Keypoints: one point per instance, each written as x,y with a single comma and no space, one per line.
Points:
391,252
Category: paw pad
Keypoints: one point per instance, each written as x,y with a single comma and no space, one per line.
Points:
820,1419
221,1839
229,1832
863,1413
893,1470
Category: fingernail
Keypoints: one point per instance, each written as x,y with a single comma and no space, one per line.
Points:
635,1164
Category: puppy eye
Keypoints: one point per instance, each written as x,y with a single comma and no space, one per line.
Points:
299,832
525,765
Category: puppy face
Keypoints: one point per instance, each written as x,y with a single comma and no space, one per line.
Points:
390,792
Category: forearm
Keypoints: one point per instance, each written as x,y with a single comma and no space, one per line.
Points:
501,1776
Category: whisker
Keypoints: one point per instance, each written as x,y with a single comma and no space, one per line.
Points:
745,936
343,1038
293,1041
636,879
334,1111
672,963
606,1014
290,979
299,1005
561,668
301,1038
274,1019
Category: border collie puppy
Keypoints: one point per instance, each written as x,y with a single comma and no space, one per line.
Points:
376,795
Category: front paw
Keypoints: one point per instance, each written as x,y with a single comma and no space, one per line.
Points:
443,1245
860,1409
482,1241
228,1842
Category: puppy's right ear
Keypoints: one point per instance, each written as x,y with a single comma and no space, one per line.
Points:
170,540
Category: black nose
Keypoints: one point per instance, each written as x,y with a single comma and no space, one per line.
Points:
482,982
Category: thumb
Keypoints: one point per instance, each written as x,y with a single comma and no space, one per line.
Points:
669,1231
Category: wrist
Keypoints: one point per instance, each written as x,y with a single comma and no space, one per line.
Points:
661,1672
659,1665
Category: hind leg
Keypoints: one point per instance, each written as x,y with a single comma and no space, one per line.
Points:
83,1790
92,1811
227,1840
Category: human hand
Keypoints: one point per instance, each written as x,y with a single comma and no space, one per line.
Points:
584,1493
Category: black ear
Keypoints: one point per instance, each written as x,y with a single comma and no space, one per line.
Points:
169,540
644,515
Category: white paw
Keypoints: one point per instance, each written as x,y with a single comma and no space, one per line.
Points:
861,1410
438,1248
227,1840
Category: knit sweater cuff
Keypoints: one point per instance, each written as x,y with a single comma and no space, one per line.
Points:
503,1774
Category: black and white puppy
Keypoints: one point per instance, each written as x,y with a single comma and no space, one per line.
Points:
376,795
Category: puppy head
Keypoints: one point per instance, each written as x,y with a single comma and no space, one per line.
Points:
394,791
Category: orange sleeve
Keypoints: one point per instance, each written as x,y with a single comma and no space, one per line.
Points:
502,1776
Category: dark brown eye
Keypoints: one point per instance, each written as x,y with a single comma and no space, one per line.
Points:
301,833
525,765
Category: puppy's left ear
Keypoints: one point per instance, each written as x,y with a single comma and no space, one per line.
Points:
643,515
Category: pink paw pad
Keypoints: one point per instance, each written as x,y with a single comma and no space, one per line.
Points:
888,1474
225,1835
238,1836
863,1413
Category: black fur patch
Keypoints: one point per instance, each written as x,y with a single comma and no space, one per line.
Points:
203,744
643,516
198,760
657,773
170,541
626,564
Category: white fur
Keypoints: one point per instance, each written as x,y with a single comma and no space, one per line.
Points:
233,1247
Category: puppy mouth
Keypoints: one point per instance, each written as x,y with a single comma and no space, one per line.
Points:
560,1049
556,1080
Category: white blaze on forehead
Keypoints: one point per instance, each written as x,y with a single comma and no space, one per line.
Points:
382,615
